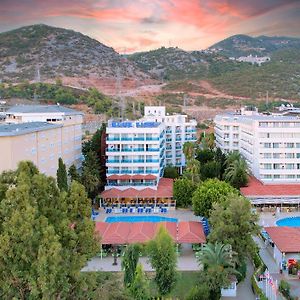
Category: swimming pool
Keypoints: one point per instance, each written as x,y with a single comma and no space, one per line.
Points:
135,219
290,222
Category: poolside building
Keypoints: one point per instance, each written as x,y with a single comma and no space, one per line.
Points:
270,144
285,243
137,153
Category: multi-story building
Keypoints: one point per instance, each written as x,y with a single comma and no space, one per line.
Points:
39,142
68,137
138,151
270,144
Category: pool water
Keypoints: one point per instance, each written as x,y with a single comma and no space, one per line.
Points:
290,222
135,219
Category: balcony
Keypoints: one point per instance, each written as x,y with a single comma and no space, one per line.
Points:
112,161
112,150
190,138
138,149
168,140
152,160
152,149
126,161
168,156
178,163
152,138
178,139
190,130
113,138
126,138
113,171
138,161
178,147
168,131
152,171
178,154
138,172
127,150
126,171
138,138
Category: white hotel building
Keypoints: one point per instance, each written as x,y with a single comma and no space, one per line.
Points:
138,151
270,144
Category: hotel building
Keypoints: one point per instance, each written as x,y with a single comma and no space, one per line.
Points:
138,151
270,144
42,134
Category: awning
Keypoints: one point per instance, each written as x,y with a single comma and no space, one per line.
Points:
190,233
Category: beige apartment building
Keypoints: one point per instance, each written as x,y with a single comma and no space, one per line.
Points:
41,134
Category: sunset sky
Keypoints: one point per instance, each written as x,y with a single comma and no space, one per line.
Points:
137,25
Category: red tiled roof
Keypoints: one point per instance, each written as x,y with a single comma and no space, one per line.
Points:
287,239
141,232
164,190
191,233
257,188
171,228
116,233
128,177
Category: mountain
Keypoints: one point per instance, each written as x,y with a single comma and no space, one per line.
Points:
174,63
43,51
242,45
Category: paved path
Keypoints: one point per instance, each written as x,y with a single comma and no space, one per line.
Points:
244,289
186,262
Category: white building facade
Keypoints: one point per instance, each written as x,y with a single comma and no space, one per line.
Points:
70,121
270,144
138,151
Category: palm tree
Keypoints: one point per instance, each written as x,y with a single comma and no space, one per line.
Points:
189,150
232,156
192,170
236,173
219,263
217,255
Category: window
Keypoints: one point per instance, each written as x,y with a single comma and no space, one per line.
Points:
290,145
276,176
290,155
276,155
290,176
267,155
267,145
276,166
267,166
290,166
276,145
267,176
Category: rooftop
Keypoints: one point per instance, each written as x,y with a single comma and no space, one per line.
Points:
164,190
256,188
287,239
35,109
24,128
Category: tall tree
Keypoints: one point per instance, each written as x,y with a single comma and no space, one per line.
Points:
139,288
61,175
189,150
73,174
163,259
192,170
209,192
183,190
237,173
171,172
46,238
129,263
234,224
218,261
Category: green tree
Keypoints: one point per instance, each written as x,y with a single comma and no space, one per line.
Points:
205,155
192,170
73,174
171,172
211,169
237,173
163,259
61,175
199,292
209,192
139,288
189,150
183,190
234,224
129,263
46,238
218,261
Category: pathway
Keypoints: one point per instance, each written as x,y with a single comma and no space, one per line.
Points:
244,289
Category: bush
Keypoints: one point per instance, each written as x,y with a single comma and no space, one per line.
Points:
284,288
242,270
199,292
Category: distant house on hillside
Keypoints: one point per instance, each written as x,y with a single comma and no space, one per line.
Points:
253,59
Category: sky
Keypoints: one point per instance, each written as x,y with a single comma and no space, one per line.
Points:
140,25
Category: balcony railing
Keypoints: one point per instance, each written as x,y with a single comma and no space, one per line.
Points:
126,161
152,160
168,131
112,150
190,130
111,161
178,139
168,140
152,138
138,161
138,138
113,171
138,172
126,171
153,149
152,171
113,138
178,154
